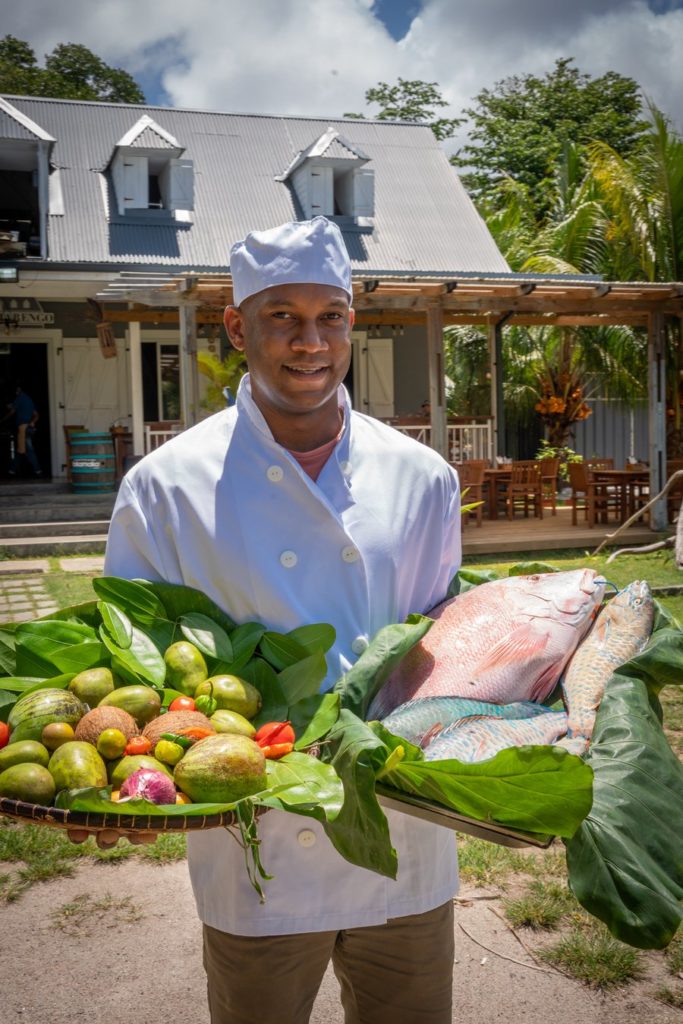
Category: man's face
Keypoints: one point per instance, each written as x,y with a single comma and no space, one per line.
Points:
297,341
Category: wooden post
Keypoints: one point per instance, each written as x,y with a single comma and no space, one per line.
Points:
136,404
437,392
656,380
495,340
189,378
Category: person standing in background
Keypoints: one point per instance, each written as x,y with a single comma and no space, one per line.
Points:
25,415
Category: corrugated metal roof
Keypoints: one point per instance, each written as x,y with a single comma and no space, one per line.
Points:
150,139
11,129
424,220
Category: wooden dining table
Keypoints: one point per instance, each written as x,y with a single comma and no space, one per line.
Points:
627,484
494,477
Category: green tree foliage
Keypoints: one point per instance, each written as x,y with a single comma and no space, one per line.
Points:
71,72
411,101
520,127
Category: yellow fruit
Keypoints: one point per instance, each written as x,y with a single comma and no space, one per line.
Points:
168,751
180,798
111,743
56,733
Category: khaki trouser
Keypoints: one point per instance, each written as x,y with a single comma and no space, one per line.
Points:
400,972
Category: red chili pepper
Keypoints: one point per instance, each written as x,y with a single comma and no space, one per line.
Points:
275,733
276,750
4,734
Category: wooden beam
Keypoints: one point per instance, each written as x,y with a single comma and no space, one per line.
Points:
437,391
656,351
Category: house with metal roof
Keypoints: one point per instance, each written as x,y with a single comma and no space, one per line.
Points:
116,222
112,202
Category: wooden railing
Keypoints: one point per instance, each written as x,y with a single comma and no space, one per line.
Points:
157,433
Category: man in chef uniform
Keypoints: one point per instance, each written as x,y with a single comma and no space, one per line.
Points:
290,508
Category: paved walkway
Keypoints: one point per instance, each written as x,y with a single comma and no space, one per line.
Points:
23,594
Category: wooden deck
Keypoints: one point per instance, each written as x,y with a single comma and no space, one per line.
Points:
548,534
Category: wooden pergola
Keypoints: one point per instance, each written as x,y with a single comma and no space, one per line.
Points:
433,302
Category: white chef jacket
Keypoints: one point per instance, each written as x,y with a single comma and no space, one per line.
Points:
224,508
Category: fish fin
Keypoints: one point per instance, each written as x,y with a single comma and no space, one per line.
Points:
431,734
545,684
523,642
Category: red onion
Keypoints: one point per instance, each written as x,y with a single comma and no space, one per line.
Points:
151,785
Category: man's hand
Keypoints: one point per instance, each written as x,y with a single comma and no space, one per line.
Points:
106,838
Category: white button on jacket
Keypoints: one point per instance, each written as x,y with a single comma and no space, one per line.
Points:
350,554
307,837
202,510
288,559
275,474
360,644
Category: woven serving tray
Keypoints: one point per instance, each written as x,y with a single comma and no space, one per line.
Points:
61,818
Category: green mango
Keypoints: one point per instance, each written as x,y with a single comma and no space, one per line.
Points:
76,765
142,702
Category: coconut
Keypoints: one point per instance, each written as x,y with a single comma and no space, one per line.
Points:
96,721
174,721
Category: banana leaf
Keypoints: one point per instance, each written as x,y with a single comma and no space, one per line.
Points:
626,860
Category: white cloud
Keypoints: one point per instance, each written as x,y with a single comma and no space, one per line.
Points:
294,57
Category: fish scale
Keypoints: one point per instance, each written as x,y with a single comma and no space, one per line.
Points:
501,642
620,631
480,739
418,718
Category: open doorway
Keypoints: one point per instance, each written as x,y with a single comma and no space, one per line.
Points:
25,363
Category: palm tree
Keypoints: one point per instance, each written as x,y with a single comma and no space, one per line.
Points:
642,196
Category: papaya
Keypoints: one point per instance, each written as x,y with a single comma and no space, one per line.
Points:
222,768
125,766
142,702
31,783
76,765
34,711
24,752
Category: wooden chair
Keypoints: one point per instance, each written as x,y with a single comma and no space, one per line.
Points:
549,471
674,498
578,481
69,429
471,474
597,462
604,498
638,491
525,488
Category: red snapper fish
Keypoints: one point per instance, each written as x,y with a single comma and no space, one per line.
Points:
504,641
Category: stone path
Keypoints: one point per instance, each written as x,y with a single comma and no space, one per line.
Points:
23,594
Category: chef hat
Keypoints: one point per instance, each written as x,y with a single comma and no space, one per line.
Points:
300,252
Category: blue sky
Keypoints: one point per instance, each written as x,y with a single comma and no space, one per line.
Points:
294,57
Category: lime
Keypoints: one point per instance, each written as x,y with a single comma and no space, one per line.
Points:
185,667
168,752
56,733
111,743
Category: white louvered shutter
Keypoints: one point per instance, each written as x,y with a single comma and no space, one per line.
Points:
177,185
131,183
363,192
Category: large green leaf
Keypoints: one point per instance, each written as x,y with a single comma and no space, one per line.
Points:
306,786
80,657
135,599
626,860
317,637
359,685
281,650
303,678
178,600
244,639
360,832
8,659
141,659
40,640
261,675
210,638
531,789
313,717
19,684
117,623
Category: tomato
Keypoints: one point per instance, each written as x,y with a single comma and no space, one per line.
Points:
274,732
138,745
182,704
4,734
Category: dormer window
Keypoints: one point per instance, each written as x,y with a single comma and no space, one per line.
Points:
26,188
148,172
330,178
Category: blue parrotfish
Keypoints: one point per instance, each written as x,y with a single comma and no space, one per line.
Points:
418,721
478,739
